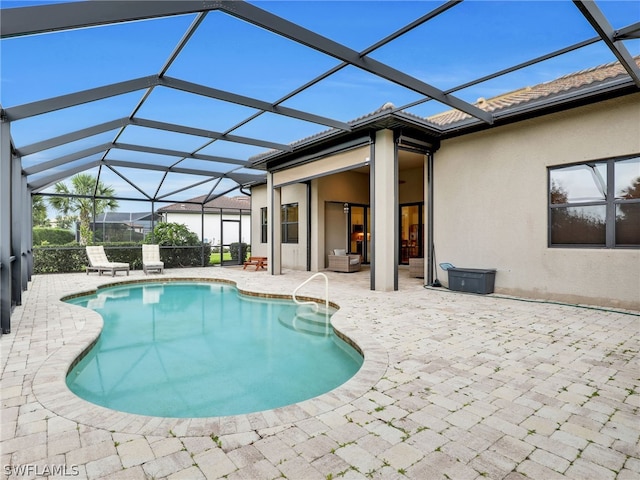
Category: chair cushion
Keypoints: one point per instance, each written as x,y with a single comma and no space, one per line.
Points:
339,251
354,261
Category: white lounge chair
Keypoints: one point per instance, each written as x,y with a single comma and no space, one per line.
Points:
99,262
151,259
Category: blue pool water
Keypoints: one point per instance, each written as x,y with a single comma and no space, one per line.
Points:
202,349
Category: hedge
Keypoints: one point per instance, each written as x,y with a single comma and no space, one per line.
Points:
65,258
52,236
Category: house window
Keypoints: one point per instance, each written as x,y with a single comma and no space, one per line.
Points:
263,224
595,204
290,223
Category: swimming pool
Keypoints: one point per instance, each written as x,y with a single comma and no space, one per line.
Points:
186,349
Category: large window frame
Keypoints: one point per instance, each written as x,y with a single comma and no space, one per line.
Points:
595,204
289,219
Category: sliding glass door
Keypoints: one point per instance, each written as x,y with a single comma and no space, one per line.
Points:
411,232
359,231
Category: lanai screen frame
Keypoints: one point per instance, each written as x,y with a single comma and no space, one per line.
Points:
16,186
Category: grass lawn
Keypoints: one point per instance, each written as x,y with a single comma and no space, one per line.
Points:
214,259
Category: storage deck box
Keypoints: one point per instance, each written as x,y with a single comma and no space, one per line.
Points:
472,280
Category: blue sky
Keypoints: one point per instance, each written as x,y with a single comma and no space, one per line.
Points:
468,41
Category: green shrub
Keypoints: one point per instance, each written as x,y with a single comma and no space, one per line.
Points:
52,236
65,258
179,246
239,251
58,259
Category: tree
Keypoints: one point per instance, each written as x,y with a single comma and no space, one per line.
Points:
39,212
573,223
180,246
633,190
79,199
628,215
172,234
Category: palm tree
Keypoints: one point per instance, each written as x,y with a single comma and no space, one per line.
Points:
39,212
83,186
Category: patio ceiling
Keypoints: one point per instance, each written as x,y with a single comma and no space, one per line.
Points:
171,100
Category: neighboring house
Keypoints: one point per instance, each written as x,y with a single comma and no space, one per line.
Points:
548,195
123,226
224,220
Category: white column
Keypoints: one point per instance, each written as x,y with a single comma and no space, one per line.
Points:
274,227
317,229
385,209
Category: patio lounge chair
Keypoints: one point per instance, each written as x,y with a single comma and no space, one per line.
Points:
341,261
99,262
151,259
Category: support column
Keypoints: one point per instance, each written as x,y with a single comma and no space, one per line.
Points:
385,211
29,232
17,204
309,223
25,223
5,227
428,195
318,245
274,228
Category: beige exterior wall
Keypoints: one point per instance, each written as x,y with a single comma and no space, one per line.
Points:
258,201
325,166
294,255
491,205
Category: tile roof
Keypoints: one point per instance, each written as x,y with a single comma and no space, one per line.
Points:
572,81
501,103
240,202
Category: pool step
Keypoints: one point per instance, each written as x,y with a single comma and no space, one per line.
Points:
305,320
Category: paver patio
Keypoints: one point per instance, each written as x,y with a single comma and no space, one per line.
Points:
453,386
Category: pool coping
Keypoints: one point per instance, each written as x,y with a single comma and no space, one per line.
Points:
50,388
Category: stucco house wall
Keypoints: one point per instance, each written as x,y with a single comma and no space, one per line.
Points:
258,201
491,206
212,230
294,255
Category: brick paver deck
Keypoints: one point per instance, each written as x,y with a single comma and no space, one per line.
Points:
454,386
